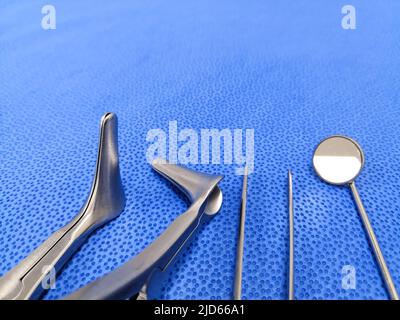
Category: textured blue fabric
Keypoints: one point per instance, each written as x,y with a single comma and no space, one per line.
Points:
285,68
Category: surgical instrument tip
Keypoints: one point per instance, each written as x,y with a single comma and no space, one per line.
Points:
237,294
291,236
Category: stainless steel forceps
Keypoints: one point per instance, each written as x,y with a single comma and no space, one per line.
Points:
134,278
105,202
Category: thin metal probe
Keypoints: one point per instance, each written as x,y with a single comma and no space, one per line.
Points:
291,237
374,243
237,293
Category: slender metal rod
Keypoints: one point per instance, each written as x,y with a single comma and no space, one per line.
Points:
291,237
237,291
374,243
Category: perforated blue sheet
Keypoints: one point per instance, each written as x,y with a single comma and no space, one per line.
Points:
286,69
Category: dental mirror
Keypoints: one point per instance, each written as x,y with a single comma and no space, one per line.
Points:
338,160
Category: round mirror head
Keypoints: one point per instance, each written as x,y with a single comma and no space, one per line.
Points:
338,160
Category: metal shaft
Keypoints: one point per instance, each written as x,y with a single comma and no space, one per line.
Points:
374,243
237,293
291,237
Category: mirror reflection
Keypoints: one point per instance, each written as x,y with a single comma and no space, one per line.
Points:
338,160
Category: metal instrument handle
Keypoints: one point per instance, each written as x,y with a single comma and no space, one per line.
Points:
374,242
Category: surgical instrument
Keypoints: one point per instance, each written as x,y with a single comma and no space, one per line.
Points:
105,202
338,160
237,293
134,278
291,237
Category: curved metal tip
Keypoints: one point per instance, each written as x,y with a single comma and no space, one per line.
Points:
106,118
107,197
192,183
214,202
